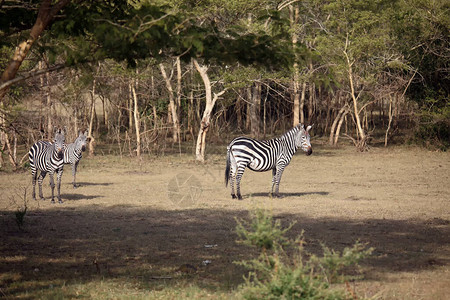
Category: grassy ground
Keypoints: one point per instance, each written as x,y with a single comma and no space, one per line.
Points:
142,229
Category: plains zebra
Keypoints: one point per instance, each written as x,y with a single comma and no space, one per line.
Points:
73,153
48,158
274,154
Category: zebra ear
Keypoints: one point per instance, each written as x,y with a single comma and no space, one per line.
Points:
309,127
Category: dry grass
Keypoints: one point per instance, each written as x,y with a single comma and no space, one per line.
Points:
128,233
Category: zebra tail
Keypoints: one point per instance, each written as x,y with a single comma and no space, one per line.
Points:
227,169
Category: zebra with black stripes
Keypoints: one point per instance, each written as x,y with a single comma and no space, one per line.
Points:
48,158
260,156
74,152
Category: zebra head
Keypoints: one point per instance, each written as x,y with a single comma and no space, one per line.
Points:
302,139
80,142
59,142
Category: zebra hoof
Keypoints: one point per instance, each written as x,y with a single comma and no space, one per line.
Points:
74,186
239,197
233,196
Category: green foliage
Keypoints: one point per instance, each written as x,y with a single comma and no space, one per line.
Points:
333,263
262,231
276,275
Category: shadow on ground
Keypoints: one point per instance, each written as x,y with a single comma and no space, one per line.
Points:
282,195
143,244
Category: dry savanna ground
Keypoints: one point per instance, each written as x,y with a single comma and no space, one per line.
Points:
143,229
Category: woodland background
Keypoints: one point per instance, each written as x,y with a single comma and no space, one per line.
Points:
156,76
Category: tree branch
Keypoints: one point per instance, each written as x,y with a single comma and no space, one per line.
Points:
30,74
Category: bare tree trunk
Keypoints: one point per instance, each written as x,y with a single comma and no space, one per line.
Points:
130,107
312,94
338,129
390,121
205,122
91,122
178,102
302,102
255,110
294,17
172,105
248,119
362,136
137,123
49,107
335,123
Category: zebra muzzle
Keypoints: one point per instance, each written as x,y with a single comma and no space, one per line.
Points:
309,151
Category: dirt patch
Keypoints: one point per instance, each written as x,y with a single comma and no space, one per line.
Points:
125,220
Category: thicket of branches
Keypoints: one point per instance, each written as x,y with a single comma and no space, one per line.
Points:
143,76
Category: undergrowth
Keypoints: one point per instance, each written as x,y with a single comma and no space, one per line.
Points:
276,275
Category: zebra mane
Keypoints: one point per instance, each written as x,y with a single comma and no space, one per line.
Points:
293,131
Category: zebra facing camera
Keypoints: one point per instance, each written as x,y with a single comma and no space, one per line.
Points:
184,189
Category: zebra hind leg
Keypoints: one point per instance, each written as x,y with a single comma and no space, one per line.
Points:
232,179
232,175
239,173
33,182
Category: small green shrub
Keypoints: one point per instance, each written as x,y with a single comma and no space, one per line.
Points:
263,232
21,209
333,263
276,275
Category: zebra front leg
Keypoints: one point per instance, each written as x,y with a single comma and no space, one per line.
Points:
277,179
52,186
74,174
274,180
58,183
40,180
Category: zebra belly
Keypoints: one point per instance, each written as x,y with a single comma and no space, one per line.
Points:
255,165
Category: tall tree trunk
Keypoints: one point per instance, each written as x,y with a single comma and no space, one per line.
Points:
294,17
248,118
205,122
361,145
390,121
137,123
335,123
172,105
255,110
302,102
91,121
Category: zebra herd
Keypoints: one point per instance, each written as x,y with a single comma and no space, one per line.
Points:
50,158
242,152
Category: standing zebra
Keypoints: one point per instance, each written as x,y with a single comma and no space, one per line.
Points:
260,156
73,153
48,158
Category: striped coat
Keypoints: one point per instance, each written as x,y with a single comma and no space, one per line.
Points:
74,152
48,157
260,156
